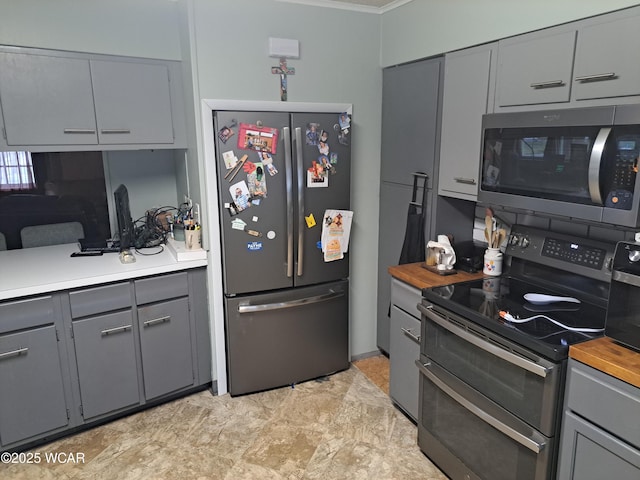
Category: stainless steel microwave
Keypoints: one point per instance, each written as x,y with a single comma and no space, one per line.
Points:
580,163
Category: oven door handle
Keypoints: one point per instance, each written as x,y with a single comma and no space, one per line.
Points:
477,411
485,345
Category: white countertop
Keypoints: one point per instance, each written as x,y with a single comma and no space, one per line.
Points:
31,271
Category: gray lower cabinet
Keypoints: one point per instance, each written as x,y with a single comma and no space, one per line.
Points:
165,341
81,356
600,434
33,400
404,347
106,357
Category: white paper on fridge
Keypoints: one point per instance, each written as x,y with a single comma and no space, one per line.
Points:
336,230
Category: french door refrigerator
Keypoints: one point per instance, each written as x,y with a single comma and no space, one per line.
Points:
286,305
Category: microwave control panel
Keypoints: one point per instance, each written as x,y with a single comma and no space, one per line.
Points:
622,181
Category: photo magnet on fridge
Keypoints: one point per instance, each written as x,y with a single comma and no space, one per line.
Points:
313,133
225,133
316,176
252,137
240,194
229,159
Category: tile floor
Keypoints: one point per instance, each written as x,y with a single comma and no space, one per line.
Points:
342,427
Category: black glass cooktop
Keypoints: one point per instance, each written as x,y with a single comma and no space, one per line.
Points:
481,302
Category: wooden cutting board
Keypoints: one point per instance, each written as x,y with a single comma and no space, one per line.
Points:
609,357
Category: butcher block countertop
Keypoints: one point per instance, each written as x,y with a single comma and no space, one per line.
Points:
417,276
607,356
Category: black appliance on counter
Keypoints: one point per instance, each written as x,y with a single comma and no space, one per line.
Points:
491,390
623,314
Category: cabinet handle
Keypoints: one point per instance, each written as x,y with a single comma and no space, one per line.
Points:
467,181
411,335
13,353
597,77
550,84
79,130
110,331
156,321
115,131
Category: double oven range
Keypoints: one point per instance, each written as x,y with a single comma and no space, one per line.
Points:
491,390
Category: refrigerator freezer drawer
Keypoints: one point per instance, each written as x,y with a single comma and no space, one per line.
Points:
287,337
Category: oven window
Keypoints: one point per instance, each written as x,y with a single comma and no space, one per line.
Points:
526,394
482,448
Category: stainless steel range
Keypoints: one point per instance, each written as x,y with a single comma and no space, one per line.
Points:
492,364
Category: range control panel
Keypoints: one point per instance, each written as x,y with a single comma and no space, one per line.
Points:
584,256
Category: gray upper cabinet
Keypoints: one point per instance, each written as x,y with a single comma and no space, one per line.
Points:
132,101
68,99
46,100
409,120
535,69
606,62
468,93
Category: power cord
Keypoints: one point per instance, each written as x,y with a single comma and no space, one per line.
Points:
510,318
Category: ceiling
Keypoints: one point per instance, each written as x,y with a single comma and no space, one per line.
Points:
375,6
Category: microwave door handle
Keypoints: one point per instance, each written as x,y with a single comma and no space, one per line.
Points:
288,179
594,165
522,439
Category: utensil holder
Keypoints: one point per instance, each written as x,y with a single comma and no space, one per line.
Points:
492,262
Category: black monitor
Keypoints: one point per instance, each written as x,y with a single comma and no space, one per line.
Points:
123,216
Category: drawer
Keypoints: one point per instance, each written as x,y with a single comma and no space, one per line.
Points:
155,289
405,297
404,350
23,314
101,299
605,401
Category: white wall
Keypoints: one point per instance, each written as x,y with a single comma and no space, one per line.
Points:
424,28
339,52
138,28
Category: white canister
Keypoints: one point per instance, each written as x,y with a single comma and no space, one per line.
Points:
492,262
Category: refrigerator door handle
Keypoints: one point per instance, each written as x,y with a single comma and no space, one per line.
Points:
292,303
289,185
300,172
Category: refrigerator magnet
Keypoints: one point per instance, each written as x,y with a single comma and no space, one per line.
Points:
311,221
240,193
252,137
344,120
271,234
323,147
238,224
225,133
257,182
333,158
312,133
229,159
254,246
316,176
326,165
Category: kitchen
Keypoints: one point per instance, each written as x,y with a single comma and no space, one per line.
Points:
152,30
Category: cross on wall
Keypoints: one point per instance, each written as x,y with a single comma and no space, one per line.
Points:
283,70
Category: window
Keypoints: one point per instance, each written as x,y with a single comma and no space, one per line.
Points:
16,171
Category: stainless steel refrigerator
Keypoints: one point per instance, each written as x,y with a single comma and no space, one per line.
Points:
286,306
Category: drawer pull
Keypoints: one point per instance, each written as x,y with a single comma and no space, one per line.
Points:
110,331
156,321
79,130
467,181
13,353
411,335
115,131
551,84
597,77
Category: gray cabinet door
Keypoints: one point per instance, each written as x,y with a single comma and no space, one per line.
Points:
32,400
132,102
404,348
106,360
46,100
536,69
409,120
466,93
606,62
165,339
590,453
